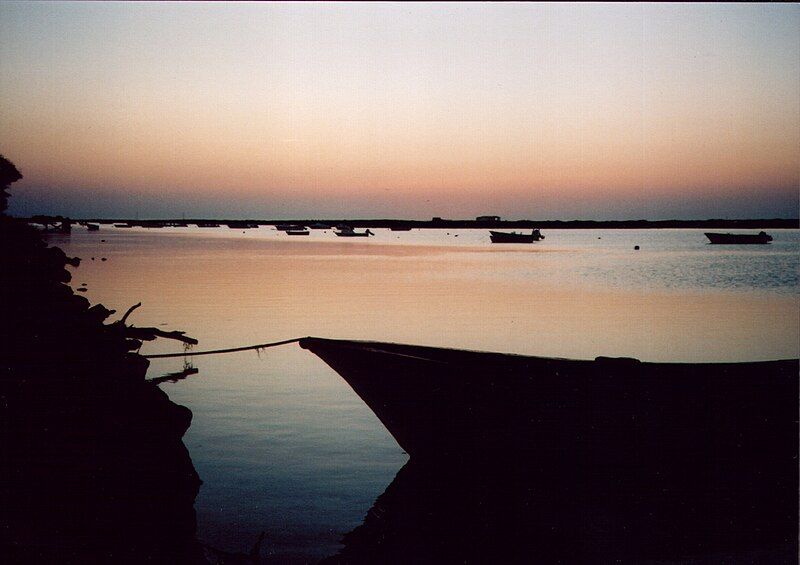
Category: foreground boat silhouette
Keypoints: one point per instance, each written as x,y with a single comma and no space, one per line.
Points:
739,238
678,459
438,401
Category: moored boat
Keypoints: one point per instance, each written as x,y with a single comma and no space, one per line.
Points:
342,232
435,401
739,238
514,237
702,455
92,227
297,231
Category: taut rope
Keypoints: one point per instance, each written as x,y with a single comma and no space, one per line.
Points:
217,351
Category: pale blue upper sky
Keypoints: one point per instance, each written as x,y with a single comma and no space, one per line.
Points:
402,110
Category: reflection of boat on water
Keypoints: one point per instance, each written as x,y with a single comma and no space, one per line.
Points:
739,238
514,237
515,512
691,457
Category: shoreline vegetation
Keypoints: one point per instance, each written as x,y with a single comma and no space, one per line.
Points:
437,223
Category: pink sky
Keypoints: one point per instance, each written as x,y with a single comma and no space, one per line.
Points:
389,110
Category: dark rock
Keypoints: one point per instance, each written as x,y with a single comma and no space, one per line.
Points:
94,468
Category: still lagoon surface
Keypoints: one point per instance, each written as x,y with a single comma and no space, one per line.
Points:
284,446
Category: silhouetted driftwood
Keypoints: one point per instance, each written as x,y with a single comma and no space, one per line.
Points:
128,312
149,334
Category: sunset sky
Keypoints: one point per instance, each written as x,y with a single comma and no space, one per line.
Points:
541,111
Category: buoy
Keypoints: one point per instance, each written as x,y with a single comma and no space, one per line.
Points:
636,247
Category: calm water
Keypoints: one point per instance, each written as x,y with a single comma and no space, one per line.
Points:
281,442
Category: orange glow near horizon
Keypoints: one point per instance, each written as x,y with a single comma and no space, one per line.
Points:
511,105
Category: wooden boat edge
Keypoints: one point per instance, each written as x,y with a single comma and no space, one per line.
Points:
420,351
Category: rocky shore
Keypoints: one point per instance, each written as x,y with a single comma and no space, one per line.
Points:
94,467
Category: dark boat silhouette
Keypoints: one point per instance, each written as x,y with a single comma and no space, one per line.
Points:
292,229
514,237
342,232
739,238
650,459
449,401
93,227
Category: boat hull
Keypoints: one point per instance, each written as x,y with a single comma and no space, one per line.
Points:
738,238
667,458
442,401
503,237
353,233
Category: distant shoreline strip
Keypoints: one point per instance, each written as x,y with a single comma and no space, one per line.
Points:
443,223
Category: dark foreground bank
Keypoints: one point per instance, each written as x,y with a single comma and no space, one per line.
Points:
94,469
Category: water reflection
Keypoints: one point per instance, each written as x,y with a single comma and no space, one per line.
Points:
518,511
281,442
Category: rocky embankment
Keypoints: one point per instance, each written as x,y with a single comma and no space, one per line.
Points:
94,468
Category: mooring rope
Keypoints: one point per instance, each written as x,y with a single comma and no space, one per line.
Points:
216,351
